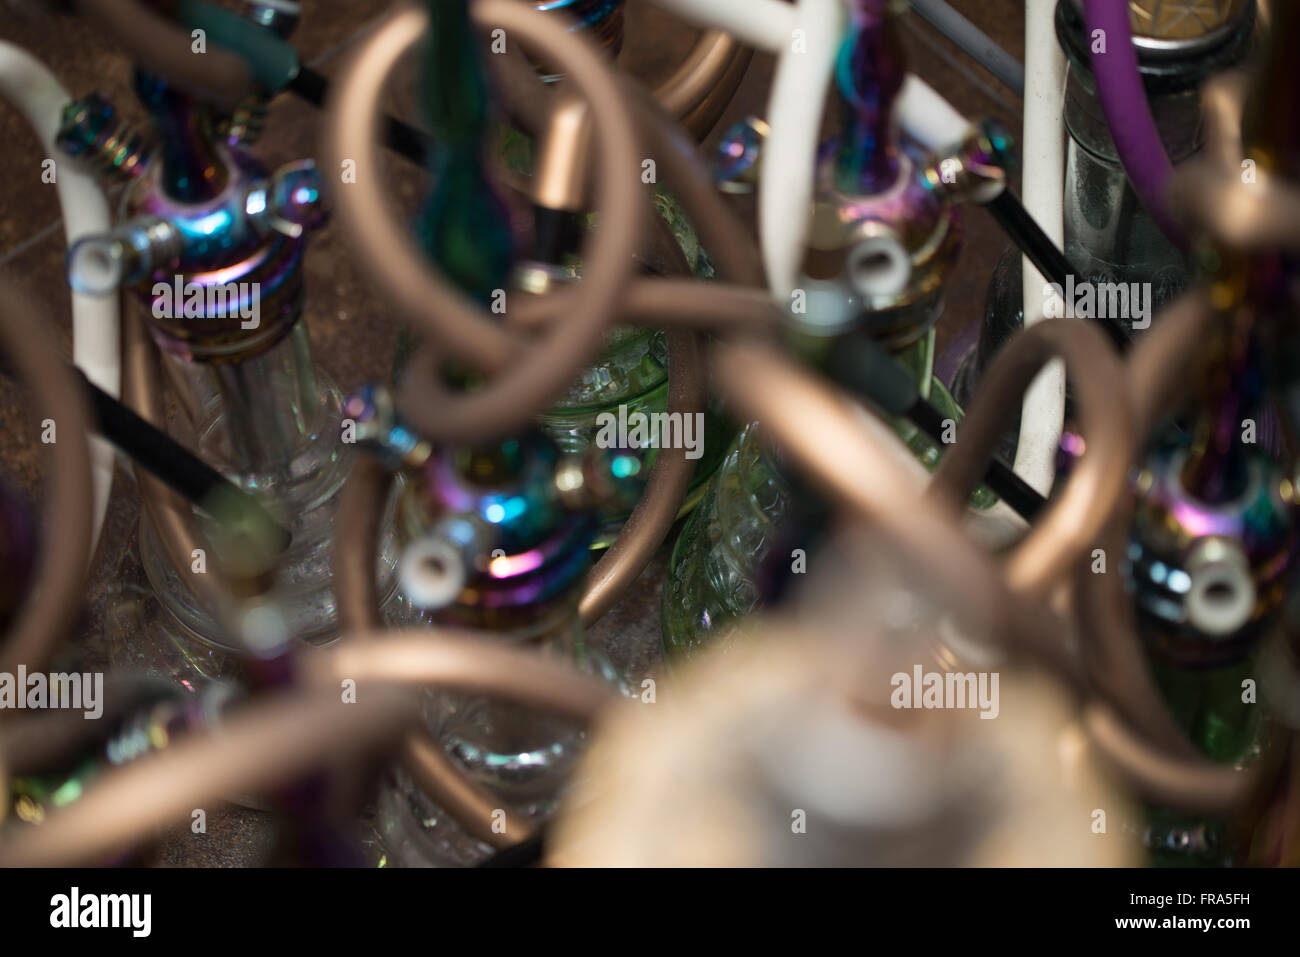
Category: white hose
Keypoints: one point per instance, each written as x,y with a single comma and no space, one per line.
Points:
789,157
806,39
927,117
794,113
766,24
1042,414
36,92
930,120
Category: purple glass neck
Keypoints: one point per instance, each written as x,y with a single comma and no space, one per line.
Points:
869,73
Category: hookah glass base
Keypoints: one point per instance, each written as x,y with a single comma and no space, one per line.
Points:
1208,703
630,378
158,626
712,572
515,753
712,577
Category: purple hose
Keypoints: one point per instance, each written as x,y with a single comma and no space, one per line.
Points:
1124,101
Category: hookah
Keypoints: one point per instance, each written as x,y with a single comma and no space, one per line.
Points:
883,233
1116,235
408,279
854,252
494,524
495,541
630,377
53,761
277,740
58,768
1213,538
494,536
212,245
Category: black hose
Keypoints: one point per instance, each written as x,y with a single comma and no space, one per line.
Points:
867,370
1025,232
179,468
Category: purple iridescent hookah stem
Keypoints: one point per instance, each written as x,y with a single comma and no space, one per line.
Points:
211,239
869,72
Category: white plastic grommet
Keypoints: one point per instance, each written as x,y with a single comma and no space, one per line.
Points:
879,265
95,266
1222,596
263,628
431,572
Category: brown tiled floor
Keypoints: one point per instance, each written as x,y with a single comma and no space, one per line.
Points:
352,330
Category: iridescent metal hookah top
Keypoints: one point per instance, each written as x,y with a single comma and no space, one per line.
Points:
138,717
494,538
525,553
200,210
1211,576
1215,535
211,244
884,225
881,240
494,541
880,244
495,535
